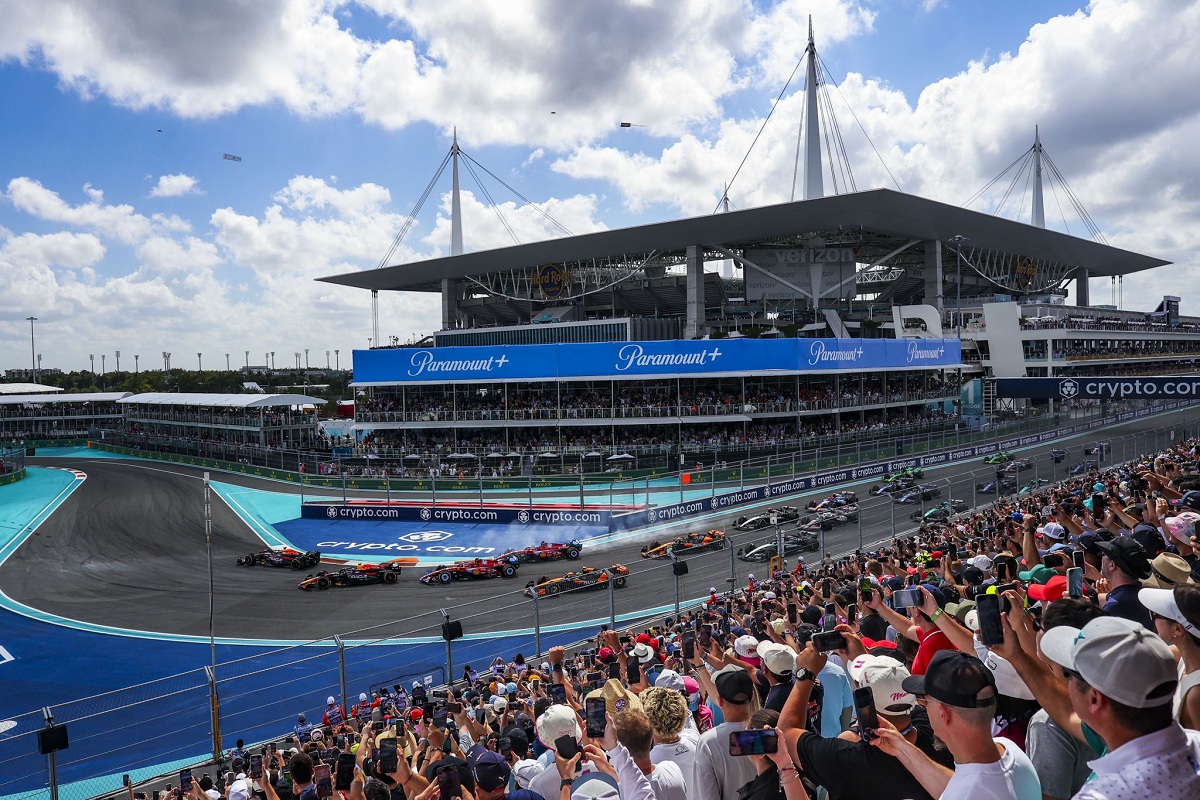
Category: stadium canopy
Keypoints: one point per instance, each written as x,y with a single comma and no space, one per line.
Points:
27,388
221,400
879,218
82,397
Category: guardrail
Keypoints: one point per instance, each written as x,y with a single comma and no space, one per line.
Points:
153,727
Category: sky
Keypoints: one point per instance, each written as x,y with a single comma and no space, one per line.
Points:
123,227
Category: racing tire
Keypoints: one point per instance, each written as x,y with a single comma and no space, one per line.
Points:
553,588
323,583
248,561
508,571
573,553
390,577
445,577
619,582
298,564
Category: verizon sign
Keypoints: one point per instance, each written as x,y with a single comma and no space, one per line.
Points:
821,271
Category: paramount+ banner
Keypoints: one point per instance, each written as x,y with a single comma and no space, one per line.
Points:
1092,388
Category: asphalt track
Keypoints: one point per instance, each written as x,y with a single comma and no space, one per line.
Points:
127,549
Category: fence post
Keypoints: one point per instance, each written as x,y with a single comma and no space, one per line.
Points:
537,624
341,648
52,757
612,605
216,712
449,650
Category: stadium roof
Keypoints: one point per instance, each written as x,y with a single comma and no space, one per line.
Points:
27,388
221,400
878,212
81,397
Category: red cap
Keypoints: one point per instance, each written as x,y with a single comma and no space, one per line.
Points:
606,655
1053,589
646,639
936,554
415,714
871,644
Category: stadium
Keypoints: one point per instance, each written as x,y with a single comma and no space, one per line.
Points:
621,391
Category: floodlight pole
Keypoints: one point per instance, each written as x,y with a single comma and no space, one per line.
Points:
51,757
449,649
32,348
212,641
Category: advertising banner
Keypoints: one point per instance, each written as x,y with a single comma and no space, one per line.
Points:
1093,388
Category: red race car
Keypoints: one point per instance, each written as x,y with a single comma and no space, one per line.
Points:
284,557
547,551
475,569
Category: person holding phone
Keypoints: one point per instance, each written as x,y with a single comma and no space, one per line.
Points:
917,626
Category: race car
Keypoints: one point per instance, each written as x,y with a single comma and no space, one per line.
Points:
1098,449
284,557
1087,465
692,543
1033,485
547,551
474,569
908,473
926,491
586,578
763,520
1059,455
792,544
833,501
827,520
1002,457
357,575
1018,465
941,512
998,485
892,487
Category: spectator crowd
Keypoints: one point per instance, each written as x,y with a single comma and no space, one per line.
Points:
1046,646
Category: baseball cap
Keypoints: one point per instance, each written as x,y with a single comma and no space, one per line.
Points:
778,658
329,701
746,646
240,790
972,575
606,655
1128,555
555,722
1039,574
1052,530
1162,602
956,679
1168,570
491,771
734,684
594,786
1188,500
768,595
669,679
1118,657
981,563
1090,541
937,593
885,677
1053,589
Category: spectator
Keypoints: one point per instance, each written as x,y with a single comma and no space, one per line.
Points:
334,716
778,778
1176,614
717,775
960,693
1121,680
667,712
633,731
1125,566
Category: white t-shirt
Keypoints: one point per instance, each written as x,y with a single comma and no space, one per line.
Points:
1011,778
682,753
667,782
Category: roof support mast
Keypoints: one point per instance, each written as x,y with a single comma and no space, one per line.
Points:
451,289
1039,213
813,185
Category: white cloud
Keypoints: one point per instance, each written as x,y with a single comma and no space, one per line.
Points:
174,186
118,222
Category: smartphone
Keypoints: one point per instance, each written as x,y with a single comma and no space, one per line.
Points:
439,718
826,641
906,598
851,613
345,771
454,708
593,713
388,755
558,694
614,671
706,631
566,746
864,709
791,613
689,645
185,781
1077,559
867,594
505,746
339,741
991,629
449,782
753,742
1075,582
953,551
633,670
829,620
255,767
378,725
427,711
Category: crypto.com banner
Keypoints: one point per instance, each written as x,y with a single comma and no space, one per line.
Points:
1117,388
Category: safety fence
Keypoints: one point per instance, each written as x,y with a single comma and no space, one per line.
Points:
12,464
255,692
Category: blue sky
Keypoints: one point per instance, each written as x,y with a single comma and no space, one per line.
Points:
122,228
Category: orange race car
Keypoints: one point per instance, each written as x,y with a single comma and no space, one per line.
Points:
692,543
585,578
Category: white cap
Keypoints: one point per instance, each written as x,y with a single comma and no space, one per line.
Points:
885,676
746,646
669,679
329,701
1052,530
712,590
362,698
768,595
778,658
981,563
750,576
1162,602
499,703
1117,657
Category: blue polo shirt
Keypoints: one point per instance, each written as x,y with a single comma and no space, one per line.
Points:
1122,602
